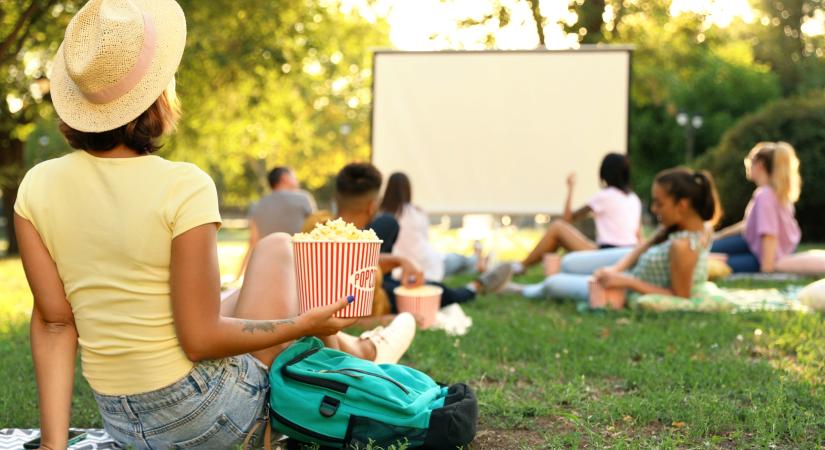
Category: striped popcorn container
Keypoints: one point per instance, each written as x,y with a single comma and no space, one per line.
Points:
327,271
422,302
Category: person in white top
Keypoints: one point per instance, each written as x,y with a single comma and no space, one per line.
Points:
414,237
616,210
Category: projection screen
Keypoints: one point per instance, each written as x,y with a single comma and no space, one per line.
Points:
498,131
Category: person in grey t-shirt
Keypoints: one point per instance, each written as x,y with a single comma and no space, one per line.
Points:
283,210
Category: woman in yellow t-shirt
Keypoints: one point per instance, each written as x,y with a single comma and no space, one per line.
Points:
120,250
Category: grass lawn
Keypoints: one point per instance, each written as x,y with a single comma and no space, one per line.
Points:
549,377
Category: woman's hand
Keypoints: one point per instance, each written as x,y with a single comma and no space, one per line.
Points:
411,274
571,180
604,272
319,321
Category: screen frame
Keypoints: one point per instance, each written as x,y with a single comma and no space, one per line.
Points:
598,48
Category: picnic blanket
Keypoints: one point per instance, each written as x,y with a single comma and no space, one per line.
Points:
711,298
14,438
96,439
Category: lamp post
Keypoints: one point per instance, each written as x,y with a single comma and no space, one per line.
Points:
690,123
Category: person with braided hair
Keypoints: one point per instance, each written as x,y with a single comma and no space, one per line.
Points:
673,262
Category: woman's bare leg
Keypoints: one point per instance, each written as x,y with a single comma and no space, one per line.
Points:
559,234
269,292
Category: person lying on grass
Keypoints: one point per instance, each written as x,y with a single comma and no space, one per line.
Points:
673,262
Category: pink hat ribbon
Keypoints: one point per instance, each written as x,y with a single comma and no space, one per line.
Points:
144,60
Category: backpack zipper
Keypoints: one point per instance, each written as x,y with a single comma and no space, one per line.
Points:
302,430
333,385
327,384
365,372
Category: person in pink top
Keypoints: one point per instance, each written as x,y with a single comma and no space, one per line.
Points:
769,230
616,209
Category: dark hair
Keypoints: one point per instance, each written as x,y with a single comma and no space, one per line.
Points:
356,180
140,134
397,194
615,171
276,174
696,186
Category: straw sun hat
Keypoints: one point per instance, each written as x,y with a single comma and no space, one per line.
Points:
116,59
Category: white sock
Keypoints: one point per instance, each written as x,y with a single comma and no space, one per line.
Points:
518,267
472,286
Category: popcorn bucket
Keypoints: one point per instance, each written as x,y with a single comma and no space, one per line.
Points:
552,264
327,271
422,302
612,298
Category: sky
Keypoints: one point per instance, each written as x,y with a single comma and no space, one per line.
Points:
414,22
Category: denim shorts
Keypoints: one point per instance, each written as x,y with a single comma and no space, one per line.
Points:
213,407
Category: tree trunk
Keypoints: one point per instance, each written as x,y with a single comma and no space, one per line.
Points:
11,162
534,6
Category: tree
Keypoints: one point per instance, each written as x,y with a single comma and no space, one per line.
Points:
781,43
262,83
285,83
30,35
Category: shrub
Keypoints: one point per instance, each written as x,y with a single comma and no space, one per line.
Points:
799,121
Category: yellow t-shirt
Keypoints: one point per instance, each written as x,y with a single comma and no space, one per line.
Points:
108,224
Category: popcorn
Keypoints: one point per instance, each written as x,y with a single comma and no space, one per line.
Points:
336,231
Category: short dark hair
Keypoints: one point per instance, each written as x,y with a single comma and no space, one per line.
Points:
615,171
276,174
397,194
140,135
356,182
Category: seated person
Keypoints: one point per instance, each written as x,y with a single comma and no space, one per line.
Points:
769,230
616,209
357,187
673,262
284,210
413,238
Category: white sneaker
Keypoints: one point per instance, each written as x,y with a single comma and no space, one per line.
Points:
393,340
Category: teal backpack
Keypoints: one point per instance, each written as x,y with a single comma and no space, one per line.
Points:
327,397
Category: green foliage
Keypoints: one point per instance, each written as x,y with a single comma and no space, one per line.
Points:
274,83
799,121
30,35
678,66
781,43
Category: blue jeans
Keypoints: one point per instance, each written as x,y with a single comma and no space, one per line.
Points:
455,264
576,269
740,258
214,406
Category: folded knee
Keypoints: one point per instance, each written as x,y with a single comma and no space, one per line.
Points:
275,243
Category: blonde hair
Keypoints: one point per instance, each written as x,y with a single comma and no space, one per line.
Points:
780,162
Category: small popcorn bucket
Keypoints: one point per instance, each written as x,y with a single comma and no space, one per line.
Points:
552,264
612,298
422,302
327,271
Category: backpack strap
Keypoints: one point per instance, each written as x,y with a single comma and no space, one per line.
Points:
267,433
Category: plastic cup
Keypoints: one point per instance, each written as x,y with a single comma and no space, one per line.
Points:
552,264
600,297
327,271
423,302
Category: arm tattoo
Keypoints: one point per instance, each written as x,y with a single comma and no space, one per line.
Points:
250,326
